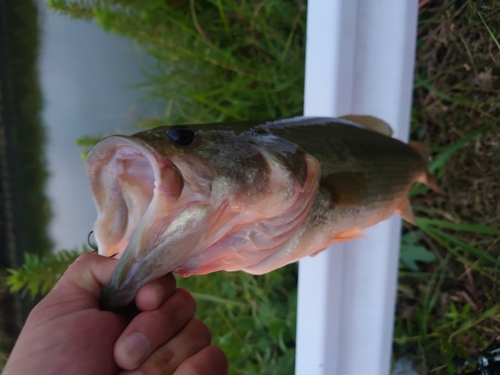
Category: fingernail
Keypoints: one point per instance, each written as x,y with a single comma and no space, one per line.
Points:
135,349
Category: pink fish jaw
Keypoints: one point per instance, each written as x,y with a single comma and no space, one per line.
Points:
154,251
125,174
138,197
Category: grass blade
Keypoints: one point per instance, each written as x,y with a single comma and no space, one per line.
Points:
456,241
474,228
447,152
489,30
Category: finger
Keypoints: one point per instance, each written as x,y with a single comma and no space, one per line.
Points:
154,294
211,360
89,272
151,329
189,341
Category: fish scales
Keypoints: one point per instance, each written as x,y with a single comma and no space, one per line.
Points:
251,196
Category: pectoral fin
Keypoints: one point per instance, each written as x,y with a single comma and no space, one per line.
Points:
346,188
371,123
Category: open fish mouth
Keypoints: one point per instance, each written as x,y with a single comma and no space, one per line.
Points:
137,193
126,174
167,211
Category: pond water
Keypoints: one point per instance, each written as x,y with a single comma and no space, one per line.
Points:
86,76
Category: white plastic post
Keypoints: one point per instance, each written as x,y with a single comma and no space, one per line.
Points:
359,60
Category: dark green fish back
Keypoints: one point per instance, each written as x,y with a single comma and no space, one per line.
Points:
358,166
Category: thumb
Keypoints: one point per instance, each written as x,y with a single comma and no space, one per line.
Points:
80,286
89,272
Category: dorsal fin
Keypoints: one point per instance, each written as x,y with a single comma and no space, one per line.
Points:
371,122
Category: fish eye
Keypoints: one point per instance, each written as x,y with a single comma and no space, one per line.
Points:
181,135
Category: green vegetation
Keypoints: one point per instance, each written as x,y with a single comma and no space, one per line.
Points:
24,104
215,59
220,59
39,274
251,317
450,307
24,208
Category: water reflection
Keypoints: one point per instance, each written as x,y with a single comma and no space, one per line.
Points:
84,74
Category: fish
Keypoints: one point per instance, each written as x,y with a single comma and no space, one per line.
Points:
248,196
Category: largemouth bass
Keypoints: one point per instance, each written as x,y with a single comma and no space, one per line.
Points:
250,196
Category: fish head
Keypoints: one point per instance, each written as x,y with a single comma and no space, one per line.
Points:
177,199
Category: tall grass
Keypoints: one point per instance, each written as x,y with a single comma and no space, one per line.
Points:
214,59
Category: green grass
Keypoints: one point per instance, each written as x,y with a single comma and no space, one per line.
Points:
215,60
449,307
251,318
224,60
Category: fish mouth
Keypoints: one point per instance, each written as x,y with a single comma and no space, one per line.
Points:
164,212
136,192
125,175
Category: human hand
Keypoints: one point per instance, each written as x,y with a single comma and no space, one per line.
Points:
67,333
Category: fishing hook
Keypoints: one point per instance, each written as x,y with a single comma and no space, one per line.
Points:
95,247
88,242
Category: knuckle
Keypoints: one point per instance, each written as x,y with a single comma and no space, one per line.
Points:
84,260
163,358
85,257
80,263
202,331
187,298
217,355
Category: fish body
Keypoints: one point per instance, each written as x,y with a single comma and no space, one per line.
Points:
250,196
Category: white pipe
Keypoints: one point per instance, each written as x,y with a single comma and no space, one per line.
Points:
359,59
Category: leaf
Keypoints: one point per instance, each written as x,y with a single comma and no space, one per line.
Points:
466,324
411,254
489,312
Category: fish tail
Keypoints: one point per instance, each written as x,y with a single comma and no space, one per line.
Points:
426,178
